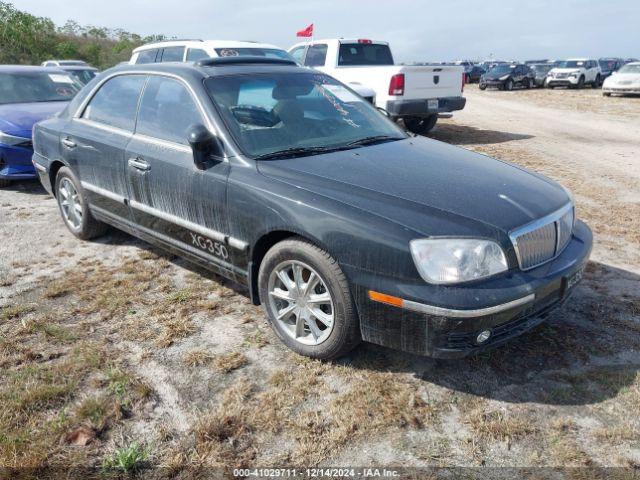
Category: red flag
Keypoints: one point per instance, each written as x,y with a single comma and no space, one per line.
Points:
305,32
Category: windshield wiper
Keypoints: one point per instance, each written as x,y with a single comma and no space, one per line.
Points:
293,151
372,140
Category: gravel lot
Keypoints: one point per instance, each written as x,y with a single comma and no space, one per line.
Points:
112,347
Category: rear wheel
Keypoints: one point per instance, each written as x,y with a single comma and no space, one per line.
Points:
74,208
307,300
420,125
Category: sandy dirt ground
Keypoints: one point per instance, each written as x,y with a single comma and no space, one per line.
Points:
117,356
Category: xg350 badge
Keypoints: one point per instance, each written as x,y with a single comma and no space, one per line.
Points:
215,248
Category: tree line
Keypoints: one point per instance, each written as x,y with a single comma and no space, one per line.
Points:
30,40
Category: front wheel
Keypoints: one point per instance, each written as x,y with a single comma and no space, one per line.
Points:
527,83
580,83
307,300
74,208
606,94
597,82
420,125
482,86
508,85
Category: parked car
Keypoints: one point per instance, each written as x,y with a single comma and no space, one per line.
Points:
540,71
413,94
194,50
505,77
338,222
608,66
625,81
575,73
78,69
27,95
537,62
473,74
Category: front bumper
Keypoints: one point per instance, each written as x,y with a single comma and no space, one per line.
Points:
15,163
421,107
562,82
442,335
492,83
622,90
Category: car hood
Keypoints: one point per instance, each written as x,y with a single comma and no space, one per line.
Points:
18,118
425,185
565,70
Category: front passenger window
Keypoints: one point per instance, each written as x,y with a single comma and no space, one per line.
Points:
116,102
167,110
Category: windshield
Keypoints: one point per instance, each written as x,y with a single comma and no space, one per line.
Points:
272,112
500,69
83,76
570,64
630,69
253,52
541,68
25,87
364,54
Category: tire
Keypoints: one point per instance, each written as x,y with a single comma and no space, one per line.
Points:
580,84
527,83
4,182
76,214
482,87
597,82
606,94
420,125
508,85
343,334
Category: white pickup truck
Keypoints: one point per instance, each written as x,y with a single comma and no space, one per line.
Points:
415,94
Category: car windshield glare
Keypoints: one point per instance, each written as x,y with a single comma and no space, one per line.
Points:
275,112
570,64
253,52
26,87
500,69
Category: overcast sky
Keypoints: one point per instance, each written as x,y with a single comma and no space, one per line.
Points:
417,30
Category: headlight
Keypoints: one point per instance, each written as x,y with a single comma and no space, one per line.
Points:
7,139
456,260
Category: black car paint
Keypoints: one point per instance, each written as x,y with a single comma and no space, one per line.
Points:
519,74
363,206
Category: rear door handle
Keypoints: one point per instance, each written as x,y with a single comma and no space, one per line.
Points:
139,164
67,142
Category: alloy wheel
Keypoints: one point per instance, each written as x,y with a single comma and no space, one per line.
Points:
301,303
70,203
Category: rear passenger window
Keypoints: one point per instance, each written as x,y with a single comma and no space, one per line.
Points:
147,56
173,54
116,102
195,54
316,55
167,110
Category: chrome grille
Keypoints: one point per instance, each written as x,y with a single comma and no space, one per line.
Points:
544,239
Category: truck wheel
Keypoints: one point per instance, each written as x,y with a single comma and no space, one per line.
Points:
596,83
420,125
307,300
74,208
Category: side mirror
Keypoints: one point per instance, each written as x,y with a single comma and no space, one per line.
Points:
203,144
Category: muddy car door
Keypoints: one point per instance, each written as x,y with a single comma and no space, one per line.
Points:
94,142
172,200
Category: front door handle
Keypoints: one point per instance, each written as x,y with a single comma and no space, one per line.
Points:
139,164
67,142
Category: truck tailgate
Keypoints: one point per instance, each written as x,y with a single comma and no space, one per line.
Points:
432,81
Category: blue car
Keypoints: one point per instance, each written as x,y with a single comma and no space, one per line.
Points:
27,95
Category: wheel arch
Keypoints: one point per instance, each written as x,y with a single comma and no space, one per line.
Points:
54,168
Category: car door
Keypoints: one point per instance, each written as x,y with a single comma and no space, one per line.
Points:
171,200
95,140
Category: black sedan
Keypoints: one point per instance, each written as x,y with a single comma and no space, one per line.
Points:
341,225
507,76
473,73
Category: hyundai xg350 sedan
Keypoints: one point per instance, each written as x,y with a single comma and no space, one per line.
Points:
341,225
27,95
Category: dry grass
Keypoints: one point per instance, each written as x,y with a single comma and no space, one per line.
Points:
230,361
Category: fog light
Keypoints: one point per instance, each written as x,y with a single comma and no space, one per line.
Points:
483,336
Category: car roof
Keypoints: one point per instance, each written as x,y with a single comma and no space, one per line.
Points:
29,68
76,67
190,69
205,44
